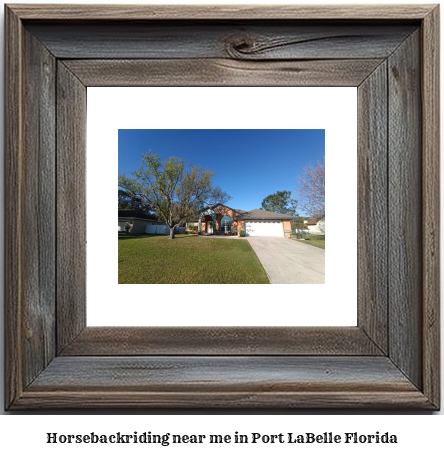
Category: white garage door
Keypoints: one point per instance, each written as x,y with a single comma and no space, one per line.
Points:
269,228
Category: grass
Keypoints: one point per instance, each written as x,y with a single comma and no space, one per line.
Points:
317,240
187,259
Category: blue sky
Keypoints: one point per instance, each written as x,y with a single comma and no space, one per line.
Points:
248,164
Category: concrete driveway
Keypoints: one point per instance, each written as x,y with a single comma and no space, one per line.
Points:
288,261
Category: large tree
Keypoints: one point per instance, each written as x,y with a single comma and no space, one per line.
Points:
280,202
312,189
175,193
126,201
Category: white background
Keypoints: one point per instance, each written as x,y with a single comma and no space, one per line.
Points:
419,434
330,304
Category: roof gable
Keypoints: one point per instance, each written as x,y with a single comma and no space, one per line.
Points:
260,214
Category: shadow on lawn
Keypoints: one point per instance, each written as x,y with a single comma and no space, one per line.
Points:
134,236
143,236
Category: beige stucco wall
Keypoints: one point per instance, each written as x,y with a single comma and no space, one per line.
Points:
231,213
235,224
287,227
240,225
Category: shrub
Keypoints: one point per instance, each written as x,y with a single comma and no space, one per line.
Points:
296,234
242,233
128,227
199,233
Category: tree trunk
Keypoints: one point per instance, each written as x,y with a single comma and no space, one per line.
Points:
172,232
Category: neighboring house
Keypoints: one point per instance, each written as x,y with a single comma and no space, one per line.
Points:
139,221
316,226
219,219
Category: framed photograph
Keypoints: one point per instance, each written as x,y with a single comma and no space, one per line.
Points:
198,127
389,359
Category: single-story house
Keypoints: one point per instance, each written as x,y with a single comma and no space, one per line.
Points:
139,221
316,226
219,219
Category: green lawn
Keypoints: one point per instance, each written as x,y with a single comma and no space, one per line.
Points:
187,259
317,240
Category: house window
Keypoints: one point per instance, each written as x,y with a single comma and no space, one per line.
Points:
225,223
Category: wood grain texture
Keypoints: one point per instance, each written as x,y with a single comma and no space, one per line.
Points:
373,207
405,209
13,207
232,382
234,40
221,72
30,207
220,12
265,400
71,206
38,210
209,373
431,205
127,341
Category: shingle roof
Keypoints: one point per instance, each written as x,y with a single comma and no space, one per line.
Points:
130,213
256,214
260,214
315,221
235,210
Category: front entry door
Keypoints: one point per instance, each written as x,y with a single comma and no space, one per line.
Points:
210,227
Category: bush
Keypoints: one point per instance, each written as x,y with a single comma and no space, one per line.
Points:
296,234
242,233
199,233
298,223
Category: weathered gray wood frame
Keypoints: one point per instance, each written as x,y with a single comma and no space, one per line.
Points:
390,360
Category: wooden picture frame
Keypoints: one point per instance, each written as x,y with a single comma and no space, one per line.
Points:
390,360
